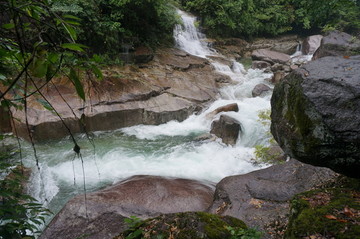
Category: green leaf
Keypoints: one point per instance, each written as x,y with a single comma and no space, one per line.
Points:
78,86
46,105
71,31
74,46
8,26
97,72
71,17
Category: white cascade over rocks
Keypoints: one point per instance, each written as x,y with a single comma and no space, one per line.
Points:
169,149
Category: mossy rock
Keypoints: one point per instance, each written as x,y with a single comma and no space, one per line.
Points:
325,213
185,225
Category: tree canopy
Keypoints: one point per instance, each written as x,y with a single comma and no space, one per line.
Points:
248,18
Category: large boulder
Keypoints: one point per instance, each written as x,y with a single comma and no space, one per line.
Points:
316,114
101,214
172,86
311,44
226,128
338,44
261,198
270,56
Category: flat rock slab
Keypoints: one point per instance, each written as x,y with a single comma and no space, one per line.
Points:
270,56
171,86
316,114
261,198
142,196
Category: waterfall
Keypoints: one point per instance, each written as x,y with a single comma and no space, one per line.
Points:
188,38
166,150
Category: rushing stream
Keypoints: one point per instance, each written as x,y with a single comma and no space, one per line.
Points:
167,150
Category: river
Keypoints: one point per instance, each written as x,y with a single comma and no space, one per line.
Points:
167,150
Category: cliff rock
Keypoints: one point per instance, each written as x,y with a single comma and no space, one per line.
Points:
316,114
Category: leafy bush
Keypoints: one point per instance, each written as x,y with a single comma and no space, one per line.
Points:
242,18
20,215
106,26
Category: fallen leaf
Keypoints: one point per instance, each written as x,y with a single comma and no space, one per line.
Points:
346,57
341,220
331,217
348,212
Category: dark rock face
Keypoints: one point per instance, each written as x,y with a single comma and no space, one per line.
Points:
227,129
338,44
187,225
142,196
261,198
316,114
260,89
5,120
270,56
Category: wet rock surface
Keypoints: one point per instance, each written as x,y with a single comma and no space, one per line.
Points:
226,128
316,114
338,43
261,198
260,90
103,213
311,44
170,87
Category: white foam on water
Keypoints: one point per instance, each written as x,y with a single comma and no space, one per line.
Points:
166,150
188,38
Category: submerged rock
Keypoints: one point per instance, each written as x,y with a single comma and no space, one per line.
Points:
186,225
260,89
103,213
316,114
261,198
338,44
226,128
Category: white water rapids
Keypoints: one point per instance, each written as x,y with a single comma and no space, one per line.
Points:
166,150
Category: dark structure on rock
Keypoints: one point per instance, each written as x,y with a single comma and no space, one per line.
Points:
316,114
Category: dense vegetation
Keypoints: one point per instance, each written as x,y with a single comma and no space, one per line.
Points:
248,18
106,26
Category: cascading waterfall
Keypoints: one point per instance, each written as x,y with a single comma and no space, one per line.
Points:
166,150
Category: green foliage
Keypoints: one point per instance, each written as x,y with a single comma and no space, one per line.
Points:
241,233
330,212
20,214
107,26
264,154
133,223
259,17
